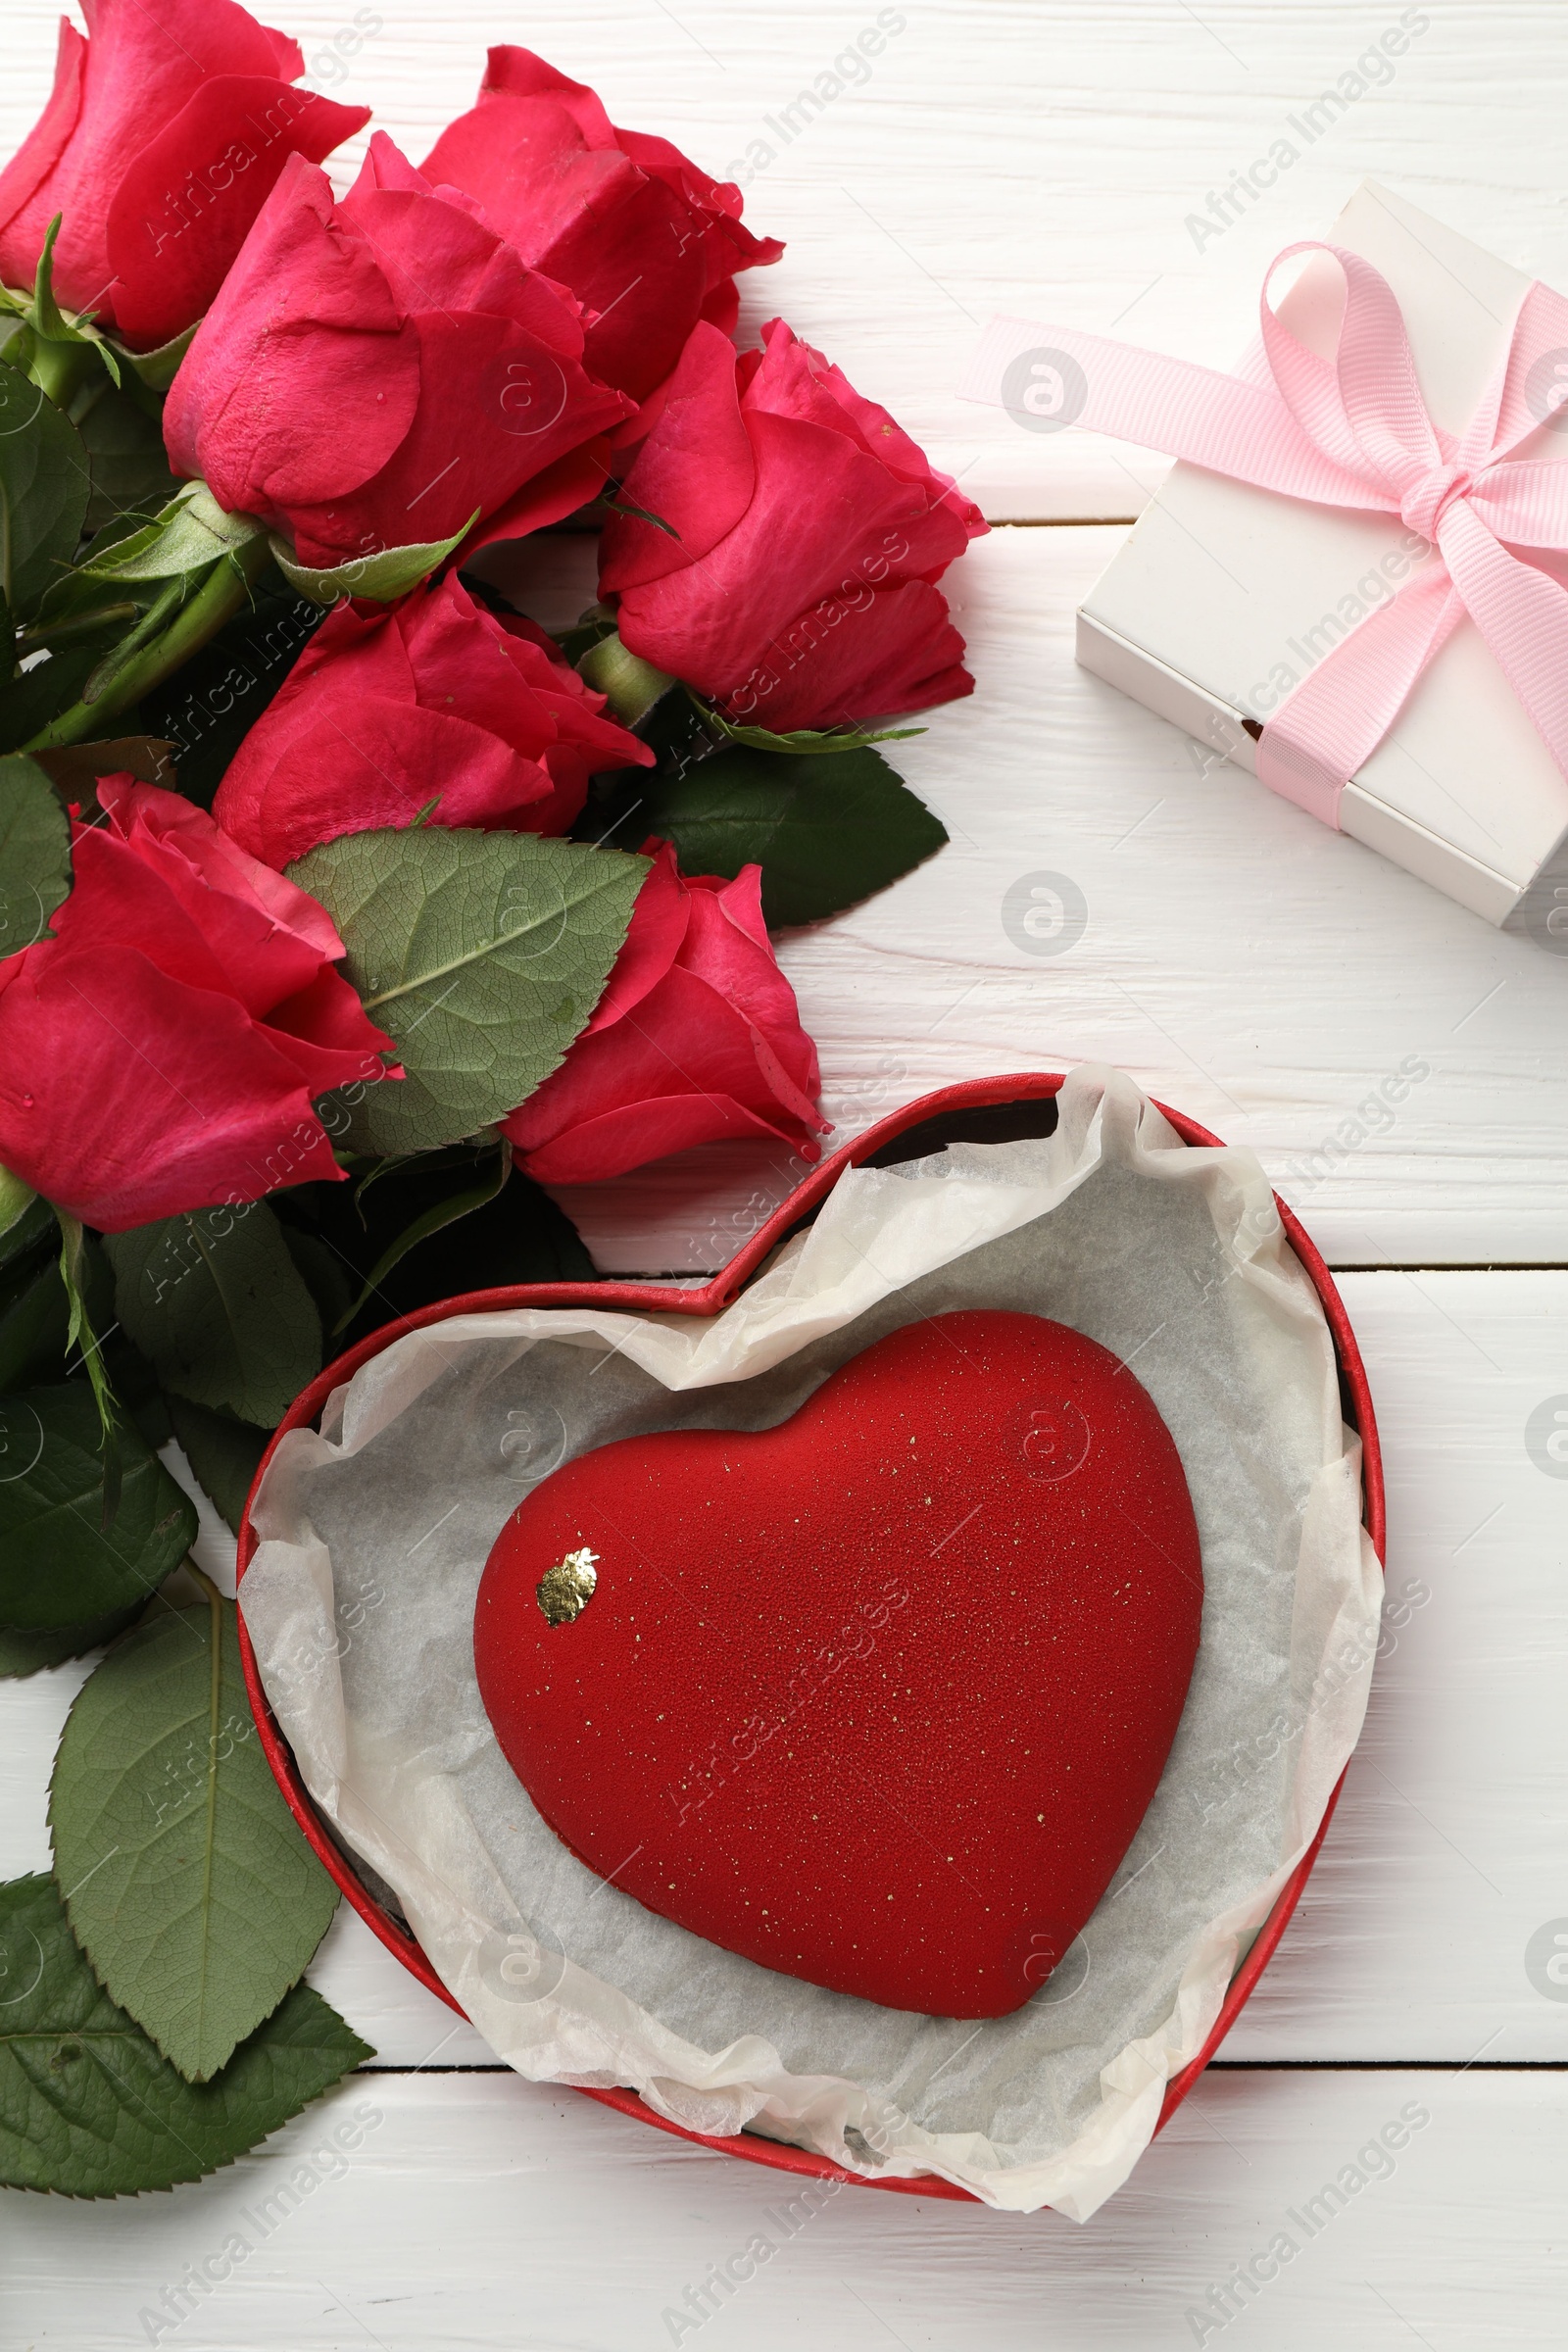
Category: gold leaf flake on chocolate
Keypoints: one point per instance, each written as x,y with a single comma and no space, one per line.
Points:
565,1590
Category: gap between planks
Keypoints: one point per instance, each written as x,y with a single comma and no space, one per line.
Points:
1216,2066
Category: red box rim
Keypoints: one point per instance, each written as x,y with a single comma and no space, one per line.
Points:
709,1300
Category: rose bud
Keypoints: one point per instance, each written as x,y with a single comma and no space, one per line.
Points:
390,707
696,1036
798,591
377,370
643,239
162,138
162,1050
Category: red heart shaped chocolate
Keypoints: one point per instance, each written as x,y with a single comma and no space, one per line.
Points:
878,1696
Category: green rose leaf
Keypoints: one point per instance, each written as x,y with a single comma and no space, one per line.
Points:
75,768
34,853
215,1303
464,1242
87,2106
34,1321
44,485
826,828
188,1881
388,573
125,455
59,1565
327,1273
225,1454
24,1650
482,955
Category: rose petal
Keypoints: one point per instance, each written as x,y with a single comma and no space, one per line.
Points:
550,496
654,940
24,214
140,68
898,653
432,699
520,73
304,331
698,474
649,1128
188,1101
698,1038
185,201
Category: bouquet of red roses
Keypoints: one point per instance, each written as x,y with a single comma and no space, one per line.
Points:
342,909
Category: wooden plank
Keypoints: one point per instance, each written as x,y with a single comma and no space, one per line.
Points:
1443,1861
1028,156
485,2212
1247,966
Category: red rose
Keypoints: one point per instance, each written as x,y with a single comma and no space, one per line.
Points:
643,239
800,591
696,1036
162,1050
432,699
377,371
162,137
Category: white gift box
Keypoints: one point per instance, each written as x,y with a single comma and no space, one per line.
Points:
1225,597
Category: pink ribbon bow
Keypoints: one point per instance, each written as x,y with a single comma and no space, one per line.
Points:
1353,431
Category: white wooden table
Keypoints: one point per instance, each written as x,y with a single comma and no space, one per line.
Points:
1258,972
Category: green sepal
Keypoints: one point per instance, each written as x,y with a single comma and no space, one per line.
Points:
157,368
25,1219
45,480
191,533
65,341
382,577
804,740
599,621
81,1334
431,1221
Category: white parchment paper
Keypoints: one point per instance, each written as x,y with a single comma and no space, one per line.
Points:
375,1532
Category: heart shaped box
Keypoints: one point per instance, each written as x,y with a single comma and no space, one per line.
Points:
982,1111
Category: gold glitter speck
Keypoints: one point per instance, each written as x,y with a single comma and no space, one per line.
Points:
565,1590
